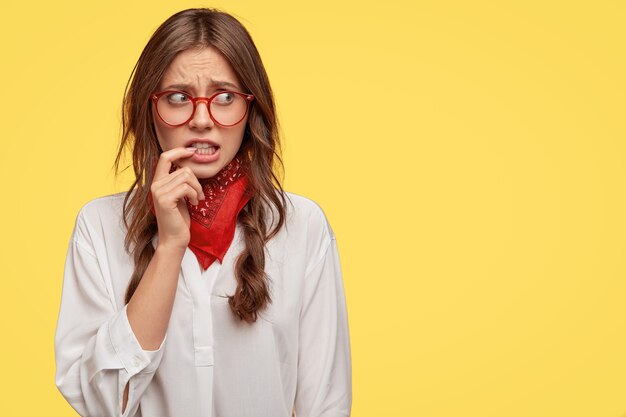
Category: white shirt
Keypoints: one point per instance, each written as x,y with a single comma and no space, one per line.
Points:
294,358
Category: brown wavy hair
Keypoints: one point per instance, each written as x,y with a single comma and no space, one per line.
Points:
188,29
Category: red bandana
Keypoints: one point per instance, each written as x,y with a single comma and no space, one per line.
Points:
213,220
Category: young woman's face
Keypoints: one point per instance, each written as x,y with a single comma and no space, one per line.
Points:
200,72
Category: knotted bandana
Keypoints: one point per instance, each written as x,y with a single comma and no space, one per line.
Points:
214,219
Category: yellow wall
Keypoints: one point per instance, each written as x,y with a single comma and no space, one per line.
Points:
469,155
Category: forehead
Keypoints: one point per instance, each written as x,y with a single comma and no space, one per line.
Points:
199,67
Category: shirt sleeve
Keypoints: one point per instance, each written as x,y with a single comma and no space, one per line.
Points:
96,351
324,382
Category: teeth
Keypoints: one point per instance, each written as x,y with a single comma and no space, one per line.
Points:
201,145
207,151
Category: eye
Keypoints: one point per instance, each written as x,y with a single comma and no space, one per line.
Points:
224,98
177,98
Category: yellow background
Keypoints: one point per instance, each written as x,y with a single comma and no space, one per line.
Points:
470,157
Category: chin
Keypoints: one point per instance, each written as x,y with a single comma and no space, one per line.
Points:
206,172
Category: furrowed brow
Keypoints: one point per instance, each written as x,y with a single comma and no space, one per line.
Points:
214,83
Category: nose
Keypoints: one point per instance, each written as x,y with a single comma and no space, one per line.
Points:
201,118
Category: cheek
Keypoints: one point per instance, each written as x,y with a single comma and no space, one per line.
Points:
164,135
235,135
239,138
241,129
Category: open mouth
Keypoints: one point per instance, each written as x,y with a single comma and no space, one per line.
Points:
204,148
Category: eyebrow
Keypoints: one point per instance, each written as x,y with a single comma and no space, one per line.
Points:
215,83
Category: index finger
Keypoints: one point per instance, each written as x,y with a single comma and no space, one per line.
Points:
168,157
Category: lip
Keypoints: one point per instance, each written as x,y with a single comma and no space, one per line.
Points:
195,140
203,159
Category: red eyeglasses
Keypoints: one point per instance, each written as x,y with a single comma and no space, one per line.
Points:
226,108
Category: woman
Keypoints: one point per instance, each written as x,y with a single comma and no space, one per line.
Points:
206,289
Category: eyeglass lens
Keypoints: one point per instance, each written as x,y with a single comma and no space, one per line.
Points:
227,108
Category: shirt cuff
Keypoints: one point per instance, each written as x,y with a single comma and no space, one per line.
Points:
134,358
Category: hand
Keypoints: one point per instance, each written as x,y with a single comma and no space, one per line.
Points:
168,194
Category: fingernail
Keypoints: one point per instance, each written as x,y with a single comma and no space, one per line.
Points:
202,197
191,148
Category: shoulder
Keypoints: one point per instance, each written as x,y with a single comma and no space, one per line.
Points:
306,212
98,217
307,229
102,208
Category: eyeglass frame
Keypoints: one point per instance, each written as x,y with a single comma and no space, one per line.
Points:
155,96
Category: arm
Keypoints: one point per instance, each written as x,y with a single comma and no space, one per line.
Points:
150,307
97,352
324,386
102,367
